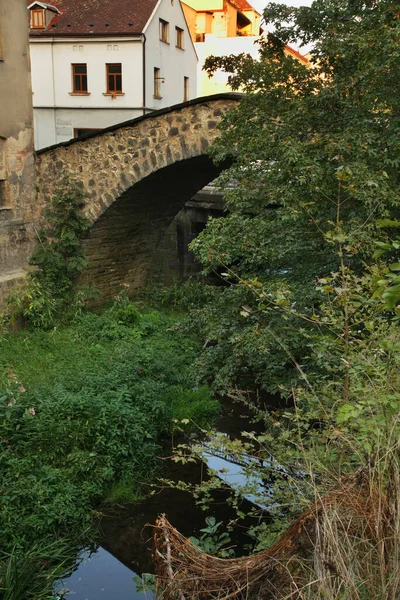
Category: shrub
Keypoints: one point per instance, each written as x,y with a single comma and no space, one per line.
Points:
80,418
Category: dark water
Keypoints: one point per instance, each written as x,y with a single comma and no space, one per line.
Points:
125,541
100,576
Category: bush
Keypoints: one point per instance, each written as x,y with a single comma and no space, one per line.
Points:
50,295
80,418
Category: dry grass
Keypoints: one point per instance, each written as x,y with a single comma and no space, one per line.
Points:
346,546
361,562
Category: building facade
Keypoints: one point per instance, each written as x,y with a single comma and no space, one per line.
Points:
222,18
17,174
96,64
223,28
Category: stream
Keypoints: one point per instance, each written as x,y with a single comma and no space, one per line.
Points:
123,549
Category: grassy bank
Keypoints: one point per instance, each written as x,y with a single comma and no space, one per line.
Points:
81,409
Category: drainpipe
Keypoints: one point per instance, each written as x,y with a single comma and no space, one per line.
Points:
144,72
54,93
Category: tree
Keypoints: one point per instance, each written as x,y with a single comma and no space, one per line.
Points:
315,161
308,254
309,306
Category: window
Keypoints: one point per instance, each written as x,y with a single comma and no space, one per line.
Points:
80,132
37,18
164,31
157,83
114,79
185,89
179,38
79,79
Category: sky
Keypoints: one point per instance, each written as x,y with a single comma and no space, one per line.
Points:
260,4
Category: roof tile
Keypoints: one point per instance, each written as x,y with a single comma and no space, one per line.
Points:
244,5
98,17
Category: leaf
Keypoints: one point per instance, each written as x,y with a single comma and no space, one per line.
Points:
345,412
388,223
391,295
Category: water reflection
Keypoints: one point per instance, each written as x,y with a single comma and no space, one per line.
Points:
126,533
100,575
235,476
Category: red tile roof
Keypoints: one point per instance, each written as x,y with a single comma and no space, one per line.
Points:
244,5
97,17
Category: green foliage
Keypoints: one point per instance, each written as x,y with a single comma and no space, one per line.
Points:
126,491
308,249
49,295
203,406
30,574
145,583
300,139
123,311
214,541
79,420
315,160
182,296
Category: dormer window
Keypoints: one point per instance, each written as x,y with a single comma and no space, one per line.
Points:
38,18
41,14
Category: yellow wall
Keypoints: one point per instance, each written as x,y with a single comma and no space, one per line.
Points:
224,21
190,16
204,22
218,17
219,24
255,21
231,19
204,5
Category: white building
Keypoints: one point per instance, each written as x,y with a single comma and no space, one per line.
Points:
96,63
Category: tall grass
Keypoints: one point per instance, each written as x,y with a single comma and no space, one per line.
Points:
360,560
30,574
354,549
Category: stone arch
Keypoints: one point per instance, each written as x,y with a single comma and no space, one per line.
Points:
135,177
122,242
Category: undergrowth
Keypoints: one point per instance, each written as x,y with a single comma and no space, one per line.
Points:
49,294
81,410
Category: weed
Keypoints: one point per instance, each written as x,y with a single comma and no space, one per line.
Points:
214,541
81,408
30,573
49,295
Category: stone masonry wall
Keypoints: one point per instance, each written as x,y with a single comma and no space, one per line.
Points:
17,169
136,177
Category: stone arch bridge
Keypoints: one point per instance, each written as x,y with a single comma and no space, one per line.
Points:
136,176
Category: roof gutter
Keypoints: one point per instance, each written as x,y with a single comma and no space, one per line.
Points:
88,35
